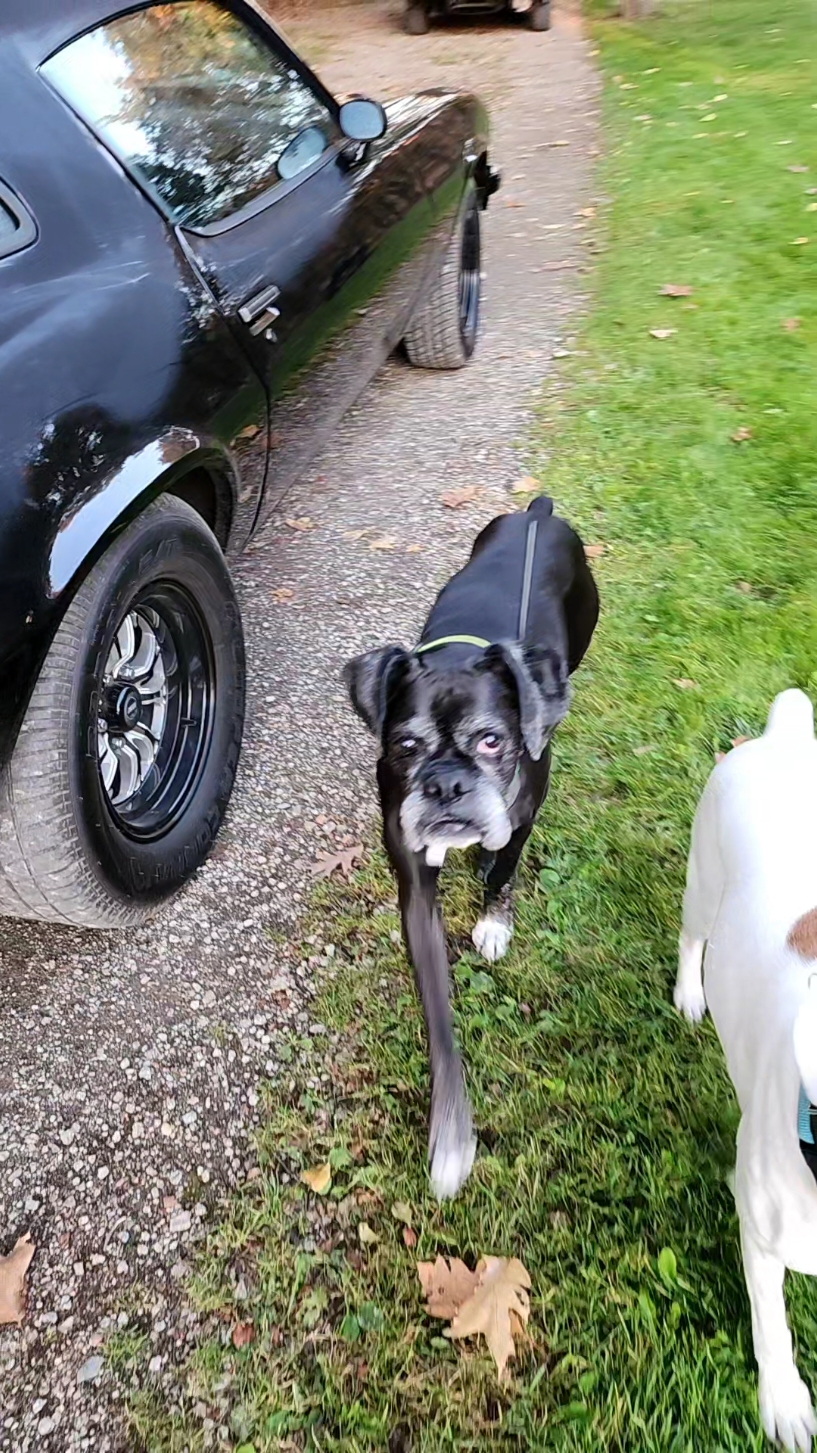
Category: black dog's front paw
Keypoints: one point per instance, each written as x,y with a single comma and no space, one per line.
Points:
452,1143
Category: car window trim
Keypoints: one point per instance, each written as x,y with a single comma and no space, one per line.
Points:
255,19
26,230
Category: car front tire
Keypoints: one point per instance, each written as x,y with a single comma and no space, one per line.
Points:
125,762
443,332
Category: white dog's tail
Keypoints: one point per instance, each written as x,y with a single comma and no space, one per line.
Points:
792,716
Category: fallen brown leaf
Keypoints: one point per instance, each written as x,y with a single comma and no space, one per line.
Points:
454,499
741,435
302,522
326,863
319,1178
282,594
353,534
386,542
13,1270
413,549
401,1212
248,433
409,1238
676,290
662,333
446,1285
791,324
526,485
592,552
242,1334
796,168
502,1293
685,683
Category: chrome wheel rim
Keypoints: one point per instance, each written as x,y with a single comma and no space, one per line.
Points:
156,708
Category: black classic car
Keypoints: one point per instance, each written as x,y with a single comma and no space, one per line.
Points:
204,257
418,14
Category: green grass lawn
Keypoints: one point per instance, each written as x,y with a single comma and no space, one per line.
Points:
606,1124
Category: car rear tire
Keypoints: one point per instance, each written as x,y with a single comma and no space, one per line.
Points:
415,20
540,16
124,766
444,331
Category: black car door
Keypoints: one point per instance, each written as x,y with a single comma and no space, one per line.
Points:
313,248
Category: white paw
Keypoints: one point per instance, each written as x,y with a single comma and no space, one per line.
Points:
491,936
451,1163
786,1410
690,1001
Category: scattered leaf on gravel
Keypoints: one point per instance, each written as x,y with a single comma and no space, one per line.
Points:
741,435
385,542
319,1178
592,552
248,433
791,324
365,1235
685,683
662,333
283,594
409,1237
242,1334
353,534
401,1212
500,1297
413,549
325,864
301,522
676,290
446,1285
13,1270
526,485
454,499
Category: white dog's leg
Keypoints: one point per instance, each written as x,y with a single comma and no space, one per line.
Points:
689,986
785,1405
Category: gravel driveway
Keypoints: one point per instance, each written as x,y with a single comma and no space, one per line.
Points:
129,1063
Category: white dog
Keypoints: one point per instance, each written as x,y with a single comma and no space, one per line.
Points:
751,901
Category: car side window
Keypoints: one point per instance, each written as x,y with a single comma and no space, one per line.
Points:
17,227
196,104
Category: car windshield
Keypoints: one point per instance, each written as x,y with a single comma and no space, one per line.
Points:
195,103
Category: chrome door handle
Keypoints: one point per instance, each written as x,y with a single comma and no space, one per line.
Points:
258,311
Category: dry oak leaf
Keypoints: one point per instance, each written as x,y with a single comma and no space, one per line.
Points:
13,1270
319,1178
250,432
326,863
741,435
526,485
242,1334
791,324
501,1296
446,1285
592,552
662,333
386,542
409,1238
283,594
302,522
413,549
676,290
454,499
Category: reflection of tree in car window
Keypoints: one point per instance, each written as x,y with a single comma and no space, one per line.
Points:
196,103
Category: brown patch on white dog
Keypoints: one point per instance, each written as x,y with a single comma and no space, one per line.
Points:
802,936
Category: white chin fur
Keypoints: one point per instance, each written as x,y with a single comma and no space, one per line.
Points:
491,936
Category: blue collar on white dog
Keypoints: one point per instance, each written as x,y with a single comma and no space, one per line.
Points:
805,1110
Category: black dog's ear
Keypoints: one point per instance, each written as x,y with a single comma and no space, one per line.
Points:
541,679
370,679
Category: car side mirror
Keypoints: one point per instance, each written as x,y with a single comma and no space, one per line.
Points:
362,120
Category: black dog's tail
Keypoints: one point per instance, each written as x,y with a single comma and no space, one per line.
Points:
541,506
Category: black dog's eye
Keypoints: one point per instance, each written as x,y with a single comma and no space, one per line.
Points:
490,744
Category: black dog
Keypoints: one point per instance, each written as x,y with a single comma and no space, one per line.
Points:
464,723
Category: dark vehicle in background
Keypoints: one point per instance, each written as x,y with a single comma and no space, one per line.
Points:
204,257
418,14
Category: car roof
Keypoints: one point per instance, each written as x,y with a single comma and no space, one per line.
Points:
40,27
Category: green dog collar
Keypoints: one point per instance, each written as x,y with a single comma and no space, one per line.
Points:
453,641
